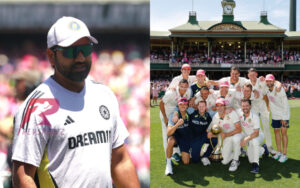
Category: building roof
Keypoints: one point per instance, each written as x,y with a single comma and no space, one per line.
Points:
248,25
293,35
160,34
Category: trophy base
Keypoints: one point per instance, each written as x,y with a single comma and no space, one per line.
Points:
216,157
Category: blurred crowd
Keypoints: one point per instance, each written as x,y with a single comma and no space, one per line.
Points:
222,56
126,73
292,87
157,90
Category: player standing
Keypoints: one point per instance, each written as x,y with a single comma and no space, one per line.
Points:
280,112
185,74
260,107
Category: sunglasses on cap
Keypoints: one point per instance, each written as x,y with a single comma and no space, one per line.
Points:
73,51
185,101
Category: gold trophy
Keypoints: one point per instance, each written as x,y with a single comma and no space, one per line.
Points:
216,154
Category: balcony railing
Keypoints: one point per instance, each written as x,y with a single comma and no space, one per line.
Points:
223,65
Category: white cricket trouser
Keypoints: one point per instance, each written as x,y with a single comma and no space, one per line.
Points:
231,148
253,148
264,117
165,137
164,133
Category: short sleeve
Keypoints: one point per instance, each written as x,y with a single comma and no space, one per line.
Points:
168,96
30,138
234,117
214,121
256,121
120,132
282,93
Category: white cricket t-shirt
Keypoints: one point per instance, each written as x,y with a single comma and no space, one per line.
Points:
227,124
250,123
68,135
241,82
230,97
259,105
170,100
279,105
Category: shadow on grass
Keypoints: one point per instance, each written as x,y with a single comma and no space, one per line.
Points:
270,170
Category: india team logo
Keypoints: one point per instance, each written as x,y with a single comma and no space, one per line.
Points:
74,26
104,112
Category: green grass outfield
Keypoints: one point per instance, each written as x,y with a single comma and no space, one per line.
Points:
272,173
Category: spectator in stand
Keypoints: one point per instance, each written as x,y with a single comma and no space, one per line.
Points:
155,91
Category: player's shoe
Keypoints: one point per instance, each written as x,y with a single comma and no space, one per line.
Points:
255,168
272,151
176,157
234,165
243,152
283,158
204,149
169,169
205,161
277,156
266,153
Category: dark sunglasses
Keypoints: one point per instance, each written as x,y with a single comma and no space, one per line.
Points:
73,51
183,100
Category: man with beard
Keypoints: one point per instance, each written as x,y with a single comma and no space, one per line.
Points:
280,112
69,132
231,134
252,134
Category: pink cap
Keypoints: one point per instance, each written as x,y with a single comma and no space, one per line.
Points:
182,100
270,77
186,66
200,72
221,101
224,84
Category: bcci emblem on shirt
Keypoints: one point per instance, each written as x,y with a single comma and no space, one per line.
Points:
104,112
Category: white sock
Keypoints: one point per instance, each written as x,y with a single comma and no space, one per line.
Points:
168,160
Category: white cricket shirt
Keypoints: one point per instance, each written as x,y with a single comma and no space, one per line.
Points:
68,135
279,105
227,124
250,123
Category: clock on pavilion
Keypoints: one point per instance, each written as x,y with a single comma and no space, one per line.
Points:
228,6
